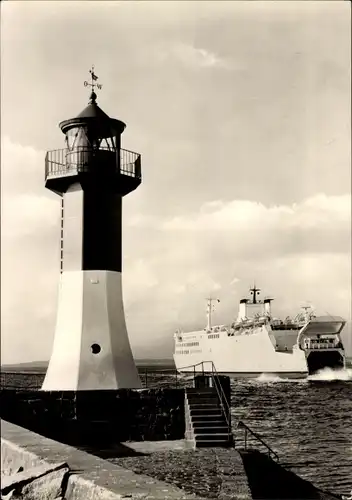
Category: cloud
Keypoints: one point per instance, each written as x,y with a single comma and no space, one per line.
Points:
29,254
189,56
28,212
247,215
241,111
295,252
198,57
253,230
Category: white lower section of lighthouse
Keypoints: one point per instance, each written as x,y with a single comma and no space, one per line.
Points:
91,348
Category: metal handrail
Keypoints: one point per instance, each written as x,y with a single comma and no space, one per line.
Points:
222,396
254,434
217,385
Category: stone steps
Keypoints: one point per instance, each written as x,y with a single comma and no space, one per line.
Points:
212,444
208,410
204,393
203,400
212,427
205,419
211,436
197,405
209,391
207,426
214,412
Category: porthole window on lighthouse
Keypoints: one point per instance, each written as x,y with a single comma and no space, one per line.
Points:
95,348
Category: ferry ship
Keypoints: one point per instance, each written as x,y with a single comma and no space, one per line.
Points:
257,343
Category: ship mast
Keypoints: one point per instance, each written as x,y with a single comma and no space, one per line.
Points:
209,311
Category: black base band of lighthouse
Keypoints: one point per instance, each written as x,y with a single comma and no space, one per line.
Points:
92,173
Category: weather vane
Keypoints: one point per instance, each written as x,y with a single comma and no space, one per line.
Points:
94,78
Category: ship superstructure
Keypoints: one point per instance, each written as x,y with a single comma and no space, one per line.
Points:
257,342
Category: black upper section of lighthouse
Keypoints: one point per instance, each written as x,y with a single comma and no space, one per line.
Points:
92,174
93,153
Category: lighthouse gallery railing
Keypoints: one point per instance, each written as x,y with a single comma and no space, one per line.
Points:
62,162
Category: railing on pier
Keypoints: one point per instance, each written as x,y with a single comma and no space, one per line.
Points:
248,430
64,162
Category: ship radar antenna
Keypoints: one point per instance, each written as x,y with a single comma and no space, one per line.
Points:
307,314
93,84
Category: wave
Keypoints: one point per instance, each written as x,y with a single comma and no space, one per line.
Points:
323,375
328,374
347,497
270,377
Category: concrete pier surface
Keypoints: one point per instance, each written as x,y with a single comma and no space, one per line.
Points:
213,473
145,470
89,477
217,473
102,477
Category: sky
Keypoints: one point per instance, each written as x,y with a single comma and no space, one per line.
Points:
242,114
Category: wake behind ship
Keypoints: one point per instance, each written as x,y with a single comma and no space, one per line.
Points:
258,343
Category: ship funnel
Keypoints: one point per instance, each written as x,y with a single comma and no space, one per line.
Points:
267,307
242,312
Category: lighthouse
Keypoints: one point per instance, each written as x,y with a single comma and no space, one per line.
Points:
91,174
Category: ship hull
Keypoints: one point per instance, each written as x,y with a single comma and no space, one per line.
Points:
286,375
241,356
253,375
260,351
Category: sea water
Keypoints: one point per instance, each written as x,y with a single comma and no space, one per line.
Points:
307,422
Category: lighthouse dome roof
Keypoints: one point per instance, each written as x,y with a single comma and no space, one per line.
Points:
93,116
93,111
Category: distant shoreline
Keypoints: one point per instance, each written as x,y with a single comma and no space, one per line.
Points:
41,366
162,363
